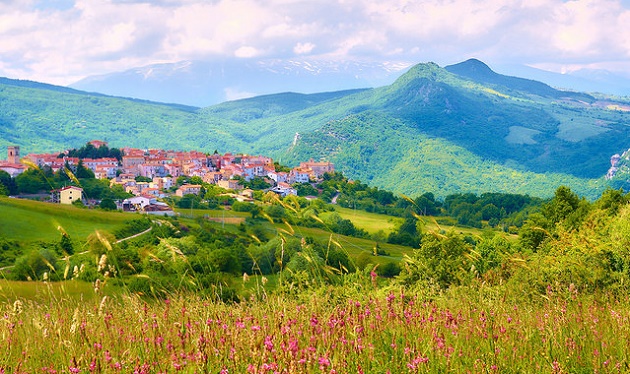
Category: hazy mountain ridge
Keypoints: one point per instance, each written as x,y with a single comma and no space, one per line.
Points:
204,83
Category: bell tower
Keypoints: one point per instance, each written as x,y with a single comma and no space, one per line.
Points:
13,154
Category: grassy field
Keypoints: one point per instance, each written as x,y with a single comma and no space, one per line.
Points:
355,247
370,222
27,220
374,222
52,291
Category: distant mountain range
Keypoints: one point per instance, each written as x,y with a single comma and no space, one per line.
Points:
584,80
460,128
205,83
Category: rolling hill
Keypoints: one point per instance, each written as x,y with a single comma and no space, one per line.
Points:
463,128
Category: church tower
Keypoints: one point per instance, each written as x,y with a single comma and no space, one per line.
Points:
13,153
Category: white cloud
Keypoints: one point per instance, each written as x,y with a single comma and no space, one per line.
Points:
62,43
247,52
236,94
303,48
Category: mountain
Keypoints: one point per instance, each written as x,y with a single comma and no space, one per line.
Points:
481,73
463,128
204,83
584,80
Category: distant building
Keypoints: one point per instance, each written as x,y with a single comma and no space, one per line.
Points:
67,195
97,143
136,203
13,165
284,189
318,168
13,154
188,189
229,184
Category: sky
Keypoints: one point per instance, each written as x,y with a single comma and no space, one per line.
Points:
62,41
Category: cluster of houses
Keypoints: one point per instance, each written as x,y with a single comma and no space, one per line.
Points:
163,167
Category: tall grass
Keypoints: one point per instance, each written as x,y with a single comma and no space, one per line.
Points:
346,329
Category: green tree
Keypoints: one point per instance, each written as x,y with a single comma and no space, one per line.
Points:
562,205
83,172
65,244
108,204
8,183
32,181
441,259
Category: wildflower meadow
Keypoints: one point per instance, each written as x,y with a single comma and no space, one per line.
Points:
328,330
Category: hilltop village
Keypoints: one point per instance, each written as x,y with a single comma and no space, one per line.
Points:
153,173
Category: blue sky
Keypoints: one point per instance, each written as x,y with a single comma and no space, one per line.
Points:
62,41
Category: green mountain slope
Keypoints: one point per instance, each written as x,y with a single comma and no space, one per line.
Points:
443,130
481,73
387,153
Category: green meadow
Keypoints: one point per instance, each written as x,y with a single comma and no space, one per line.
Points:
374,222
47,292
370,222
26,220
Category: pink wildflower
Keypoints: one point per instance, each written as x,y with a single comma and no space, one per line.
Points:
324,362
268,343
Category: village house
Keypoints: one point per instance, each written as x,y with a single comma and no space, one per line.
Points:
105,172
284,189
67,195
188,189
162,183
229,184
299,175
173,170
152,170
136,203
130,164
278,176
212,177
318,169
97,143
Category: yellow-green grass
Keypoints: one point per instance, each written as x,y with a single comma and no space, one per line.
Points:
27,220
355,328
51,291
374,222
445,224
355,246
370,222
212,213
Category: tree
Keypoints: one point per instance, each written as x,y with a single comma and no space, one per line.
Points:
83,172
195,180
65,244
8,183
563,203
108,204
442,259
31,181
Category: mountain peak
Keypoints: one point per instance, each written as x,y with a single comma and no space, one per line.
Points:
479,72
473,68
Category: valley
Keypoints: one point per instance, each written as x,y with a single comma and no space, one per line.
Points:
454,219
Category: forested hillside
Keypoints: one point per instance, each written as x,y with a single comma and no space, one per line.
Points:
431,131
